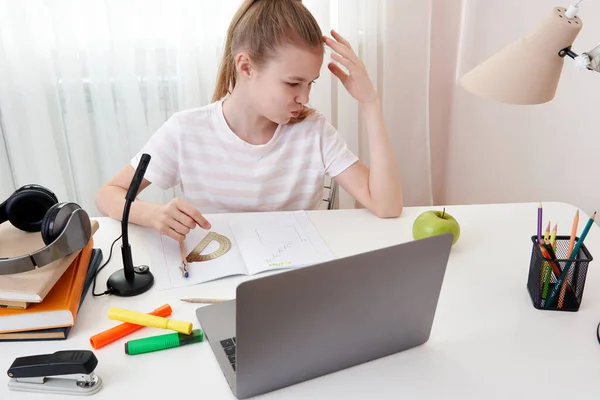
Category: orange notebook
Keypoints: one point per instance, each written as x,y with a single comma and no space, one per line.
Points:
59,308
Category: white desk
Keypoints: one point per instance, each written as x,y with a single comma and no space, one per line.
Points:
487,340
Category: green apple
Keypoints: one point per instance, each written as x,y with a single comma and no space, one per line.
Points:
433,223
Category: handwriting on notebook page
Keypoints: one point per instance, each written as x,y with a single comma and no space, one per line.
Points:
278,240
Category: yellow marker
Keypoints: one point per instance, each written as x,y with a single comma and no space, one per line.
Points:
137,318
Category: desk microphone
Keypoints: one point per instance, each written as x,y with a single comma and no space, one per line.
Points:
131,281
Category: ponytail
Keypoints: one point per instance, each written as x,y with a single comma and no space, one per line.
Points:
226,74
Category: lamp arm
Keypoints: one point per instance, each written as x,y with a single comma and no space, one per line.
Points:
589,60
568,52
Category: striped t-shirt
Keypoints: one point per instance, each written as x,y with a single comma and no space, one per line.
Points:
219,172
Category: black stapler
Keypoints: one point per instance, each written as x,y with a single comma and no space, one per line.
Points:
62,372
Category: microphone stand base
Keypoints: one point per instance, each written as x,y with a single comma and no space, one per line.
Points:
119,286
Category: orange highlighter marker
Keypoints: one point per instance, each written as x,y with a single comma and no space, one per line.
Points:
103,338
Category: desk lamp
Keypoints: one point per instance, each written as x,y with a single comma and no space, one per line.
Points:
528,70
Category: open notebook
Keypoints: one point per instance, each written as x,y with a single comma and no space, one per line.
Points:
256,242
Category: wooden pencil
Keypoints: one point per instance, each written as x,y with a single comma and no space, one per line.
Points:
204,300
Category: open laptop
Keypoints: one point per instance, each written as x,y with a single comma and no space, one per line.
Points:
300,324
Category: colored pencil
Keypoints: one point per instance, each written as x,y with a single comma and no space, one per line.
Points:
573,234
546,271
553,237
561,296
573,256
547,268
539,224
547,233
548,255
546,274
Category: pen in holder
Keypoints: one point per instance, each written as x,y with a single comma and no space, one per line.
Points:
545,269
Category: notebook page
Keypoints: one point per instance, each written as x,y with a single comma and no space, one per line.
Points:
277,240
166,257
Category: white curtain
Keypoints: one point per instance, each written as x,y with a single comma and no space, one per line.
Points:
84,83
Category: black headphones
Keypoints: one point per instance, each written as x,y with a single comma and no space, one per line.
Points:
65,227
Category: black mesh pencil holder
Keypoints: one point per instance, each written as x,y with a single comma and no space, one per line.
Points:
545,269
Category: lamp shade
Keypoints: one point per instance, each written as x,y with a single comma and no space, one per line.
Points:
528,70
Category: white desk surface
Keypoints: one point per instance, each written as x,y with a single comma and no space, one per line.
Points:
487,342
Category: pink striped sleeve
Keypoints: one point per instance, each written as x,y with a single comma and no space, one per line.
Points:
163,148
337,157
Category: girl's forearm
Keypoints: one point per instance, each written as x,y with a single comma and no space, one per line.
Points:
110,201
384,177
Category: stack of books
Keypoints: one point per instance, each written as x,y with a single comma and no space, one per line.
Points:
43,304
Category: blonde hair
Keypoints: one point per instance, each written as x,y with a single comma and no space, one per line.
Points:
260,27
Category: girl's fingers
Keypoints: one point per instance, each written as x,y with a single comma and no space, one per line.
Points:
184,219
340,39
178,227
344,61
194,214
337,71
174,234
340,48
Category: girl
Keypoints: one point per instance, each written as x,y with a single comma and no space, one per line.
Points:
258,146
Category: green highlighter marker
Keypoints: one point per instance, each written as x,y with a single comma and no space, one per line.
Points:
162,342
